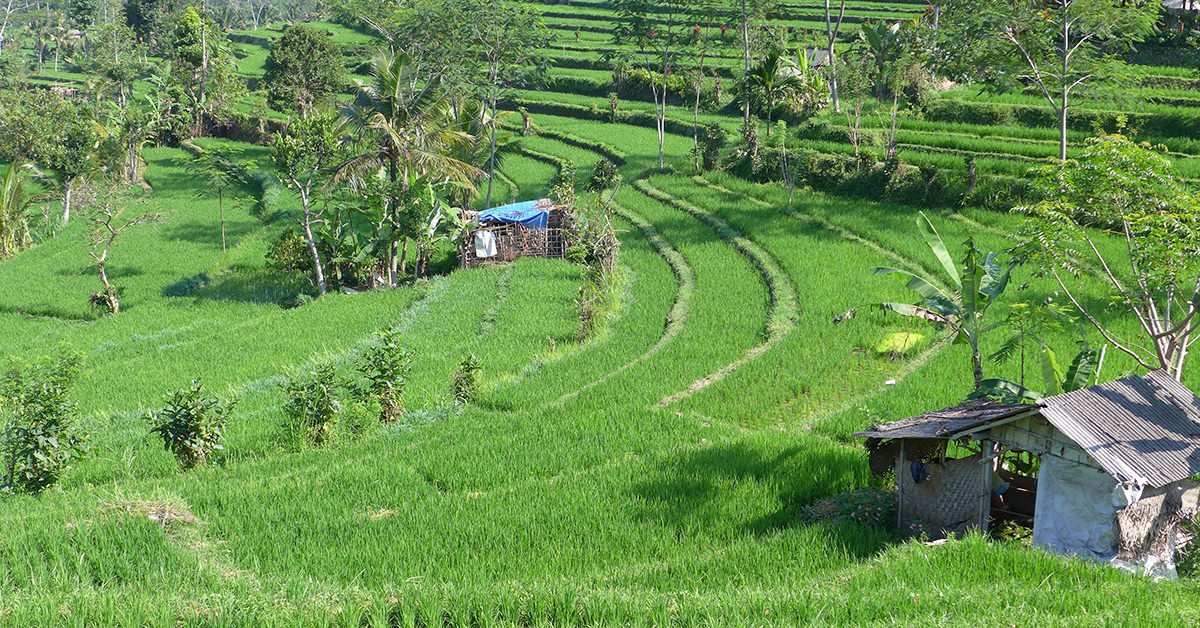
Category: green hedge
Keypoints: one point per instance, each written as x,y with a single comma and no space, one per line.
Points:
927,185
1164,123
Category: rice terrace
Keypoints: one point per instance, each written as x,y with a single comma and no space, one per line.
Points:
475,313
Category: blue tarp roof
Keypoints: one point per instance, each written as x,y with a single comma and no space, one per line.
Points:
522,212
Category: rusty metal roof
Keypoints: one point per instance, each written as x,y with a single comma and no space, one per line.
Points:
946,423
1140,429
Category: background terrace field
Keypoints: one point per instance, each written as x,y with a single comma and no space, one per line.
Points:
570,494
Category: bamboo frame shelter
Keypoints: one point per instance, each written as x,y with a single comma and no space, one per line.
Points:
503,234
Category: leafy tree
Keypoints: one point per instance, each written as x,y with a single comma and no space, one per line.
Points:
304,154
751,11
651,26
1119,186
883,41
191,425
56,135
1030,325
772,81
199,66
131,127
409,118
40,438
117,60
151,20
507,39
303,68
9,7
314,404
1058,45
81,15
219,168
466,379
964,305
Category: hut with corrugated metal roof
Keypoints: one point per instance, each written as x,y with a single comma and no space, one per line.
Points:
1110,472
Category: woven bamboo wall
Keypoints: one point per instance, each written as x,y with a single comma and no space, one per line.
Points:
514,241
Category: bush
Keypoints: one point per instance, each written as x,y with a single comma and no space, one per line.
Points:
313,405
562,185
605,176
466,379
39,436
711,139
386,365
289,252
191,425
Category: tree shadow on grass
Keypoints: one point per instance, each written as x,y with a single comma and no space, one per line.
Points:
250,285
204,232
115,271
715,487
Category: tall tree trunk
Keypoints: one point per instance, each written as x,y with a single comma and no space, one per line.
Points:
1066,89
221,214
67,202
831,33
1062,129
746,64
317,265
491,157
977,367
394,214
204,51
403,256
696,110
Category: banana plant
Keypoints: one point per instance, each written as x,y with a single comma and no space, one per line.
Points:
883,40
1082,372
960,301
14,229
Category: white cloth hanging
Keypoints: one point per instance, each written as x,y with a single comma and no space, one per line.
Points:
485,244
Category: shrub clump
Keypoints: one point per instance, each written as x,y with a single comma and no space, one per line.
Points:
313,406
385,365
191,425
39,436
466,379
605,176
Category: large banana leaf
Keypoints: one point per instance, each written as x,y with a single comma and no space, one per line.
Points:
1052,375
1084,369
938,246
995,279
915,311
1006,390
916,283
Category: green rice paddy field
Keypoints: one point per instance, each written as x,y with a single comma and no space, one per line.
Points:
655,474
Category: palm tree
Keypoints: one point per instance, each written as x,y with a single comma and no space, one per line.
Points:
412,132
476,119
772,81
